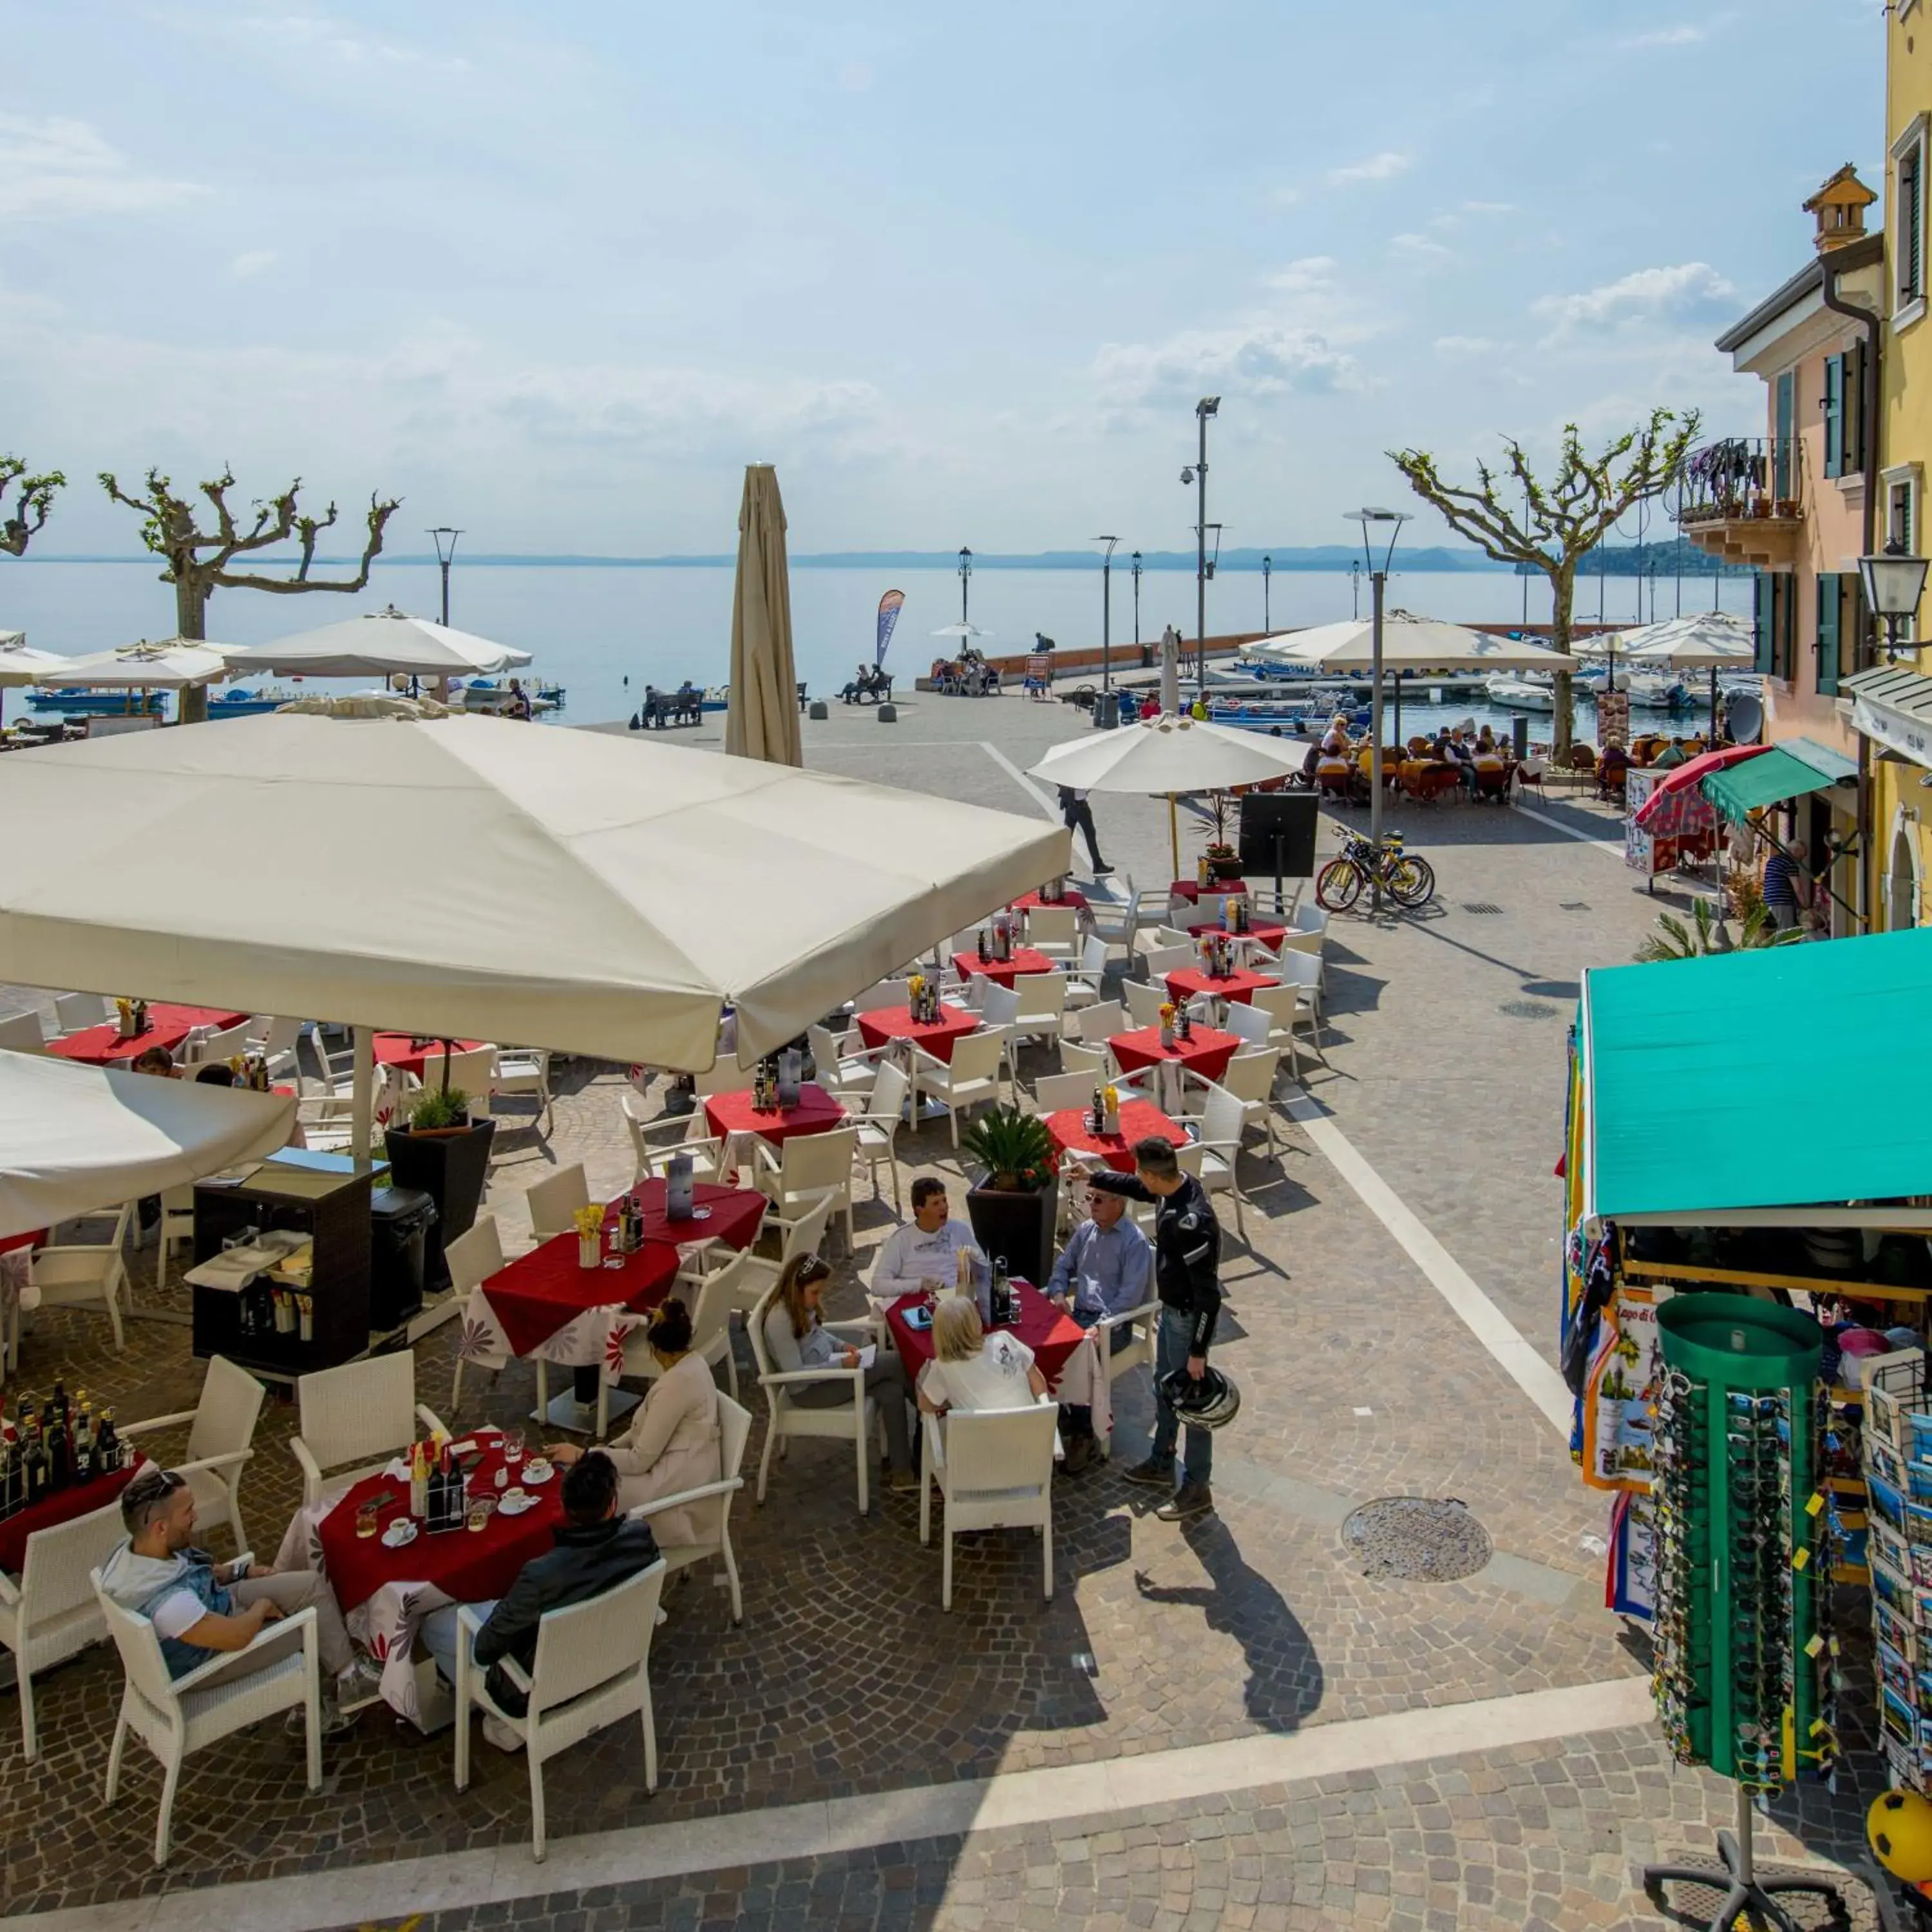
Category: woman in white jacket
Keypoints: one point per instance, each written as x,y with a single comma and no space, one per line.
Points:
672,1445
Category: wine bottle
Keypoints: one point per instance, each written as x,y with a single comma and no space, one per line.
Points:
109,1456
35,1469
83,1443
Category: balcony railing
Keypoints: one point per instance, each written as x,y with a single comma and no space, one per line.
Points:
1742,477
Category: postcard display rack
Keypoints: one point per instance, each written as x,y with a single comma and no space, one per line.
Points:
1898,1481
1743,1670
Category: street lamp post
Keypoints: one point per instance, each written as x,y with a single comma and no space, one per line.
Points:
1355,588
1378,521
1107,613
1268,570
1196,473
965,572
1895,581
1137,598
444,559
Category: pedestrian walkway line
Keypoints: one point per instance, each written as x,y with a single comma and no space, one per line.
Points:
1616,845
1484,1320
1020,779
396,1890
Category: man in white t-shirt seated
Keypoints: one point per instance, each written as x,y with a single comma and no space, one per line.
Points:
923,1257
972,1370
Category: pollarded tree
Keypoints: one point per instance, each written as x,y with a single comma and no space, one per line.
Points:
32,497
1552,526
198,561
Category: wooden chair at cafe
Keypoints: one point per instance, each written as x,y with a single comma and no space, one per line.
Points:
362,1413
84,1274
174,1716
856,1421
472,1258
592,1669
994,1471
808,1168
221,1443
553,1201
734,1432
961,1084
52,1613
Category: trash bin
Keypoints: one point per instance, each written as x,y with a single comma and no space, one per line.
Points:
1107,711
400,1219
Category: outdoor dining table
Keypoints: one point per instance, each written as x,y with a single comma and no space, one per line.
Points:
734,1113
60,1506
1003,972
1206,1050
1269,932
410,1053
385,1594
1191,889
884,1025
1076,900
1190,983
168,1026
1073,1132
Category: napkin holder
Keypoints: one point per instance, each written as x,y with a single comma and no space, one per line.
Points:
678,1186
448,1506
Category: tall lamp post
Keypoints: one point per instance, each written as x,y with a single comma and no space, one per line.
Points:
1894,580
1196,473
1355,587
965,573
444,558
1137,598
1268,570
1107,612
1375,522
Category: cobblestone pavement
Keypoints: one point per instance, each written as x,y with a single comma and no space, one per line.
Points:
846,1679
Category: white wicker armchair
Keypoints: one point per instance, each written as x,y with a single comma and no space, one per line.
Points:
734,1431
362,1413
51,1613
219,1443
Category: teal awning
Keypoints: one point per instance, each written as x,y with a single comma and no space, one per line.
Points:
1787,771
1779,1077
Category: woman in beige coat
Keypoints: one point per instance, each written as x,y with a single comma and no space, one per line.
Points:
673,1442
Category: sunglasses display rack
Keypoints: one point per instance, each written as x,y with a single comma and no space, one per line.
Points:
1744,1660
1898,1482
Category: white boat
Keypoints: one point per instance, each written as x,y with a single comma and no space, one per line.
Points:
1520,691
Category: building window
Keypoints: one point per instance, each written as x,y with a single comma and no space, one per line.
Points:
1908,224
1831,407
1775,599
1831,629
1901,522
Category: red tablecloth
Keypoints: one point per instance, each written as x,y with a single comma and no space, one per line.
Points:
1206,1051
1138,1120
734,1114
467,1567
50,1512
29,1240
1003,972
1051,1335
890,1023
736,1213
168,1026
545,1290
1078,900
1189,984
1269,934
400,1050
1187,888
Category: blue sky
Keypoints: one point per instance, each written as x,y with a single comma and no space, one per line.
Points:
555,274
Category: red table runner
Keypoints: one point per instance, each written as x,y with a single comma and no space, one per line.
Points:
168,1026
32,1240
1207,1051
1078,900
1271,933
1187,889
1003,972
400,1050
1189,984
886,1023
734,1114
468,1566
1138,1120
735,1215
548,1288
1051,1336
63,1506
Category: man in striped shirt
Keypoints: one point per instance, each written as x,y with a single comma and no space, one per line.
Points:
1783,875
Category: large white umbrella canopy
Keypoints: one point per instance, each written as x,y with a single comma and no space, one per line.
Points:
761,720
467,876
382,643
171,665
74,1139
1709,639
1409,643
21,663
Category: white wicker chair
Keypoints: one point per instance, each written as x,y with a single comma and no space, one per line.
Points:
656,1142
1250,1078
1086,981
857,1422
807,1167
473,1073
712,1301
972,1074
75,1012
177,1716
1043,1006
1054,1092
1143,1323
1145,999
1212,1155
362,1413
274,1038
473,1257
523,1073
208,1046
994,1471
878,1127
805,1236
592,1669
177,1225
734,1431
52,1611
22,1033
1162,960
554,1200
1054,930
84,1274
844,1067
220,1442
1095,1025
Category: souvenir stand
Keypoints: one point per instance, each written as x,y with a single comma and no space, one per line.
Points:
1747,1259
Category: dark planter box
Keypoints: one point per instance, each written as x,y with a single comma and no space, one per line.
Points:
1227,868
450,1166
1019,1226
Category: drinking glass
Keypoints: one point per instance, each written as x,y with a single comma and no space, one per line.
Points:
513,1445
368,1519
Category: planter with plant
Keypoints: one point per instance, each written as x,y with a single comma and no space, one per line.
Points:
1011,1204
440,1149
1223,816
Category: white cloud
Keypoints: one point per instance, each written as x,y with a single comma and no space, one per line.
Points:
1417,248
1306,274
251,262
1645,297
1385,167
1463,345
855,77
1285,197
53,169
1685,35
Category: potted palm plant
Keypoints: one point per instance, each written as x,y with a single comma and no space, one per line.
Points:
1222,815
440,1149
1010,1203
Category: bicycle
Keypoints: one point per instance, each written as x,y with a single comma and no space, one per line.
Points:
1408,880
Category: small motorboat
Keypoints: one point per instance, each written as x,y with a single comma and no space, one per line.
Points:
1521,690
81,701
487,695
243,703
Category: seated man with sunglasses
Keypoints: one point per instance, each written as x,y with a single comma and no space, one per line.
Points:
200,1608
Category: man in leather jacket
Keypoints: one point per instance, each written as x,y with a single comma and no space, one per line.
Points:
1187,1268
596,1549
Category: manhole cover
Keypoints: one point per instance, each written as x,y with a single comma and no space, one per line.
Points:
1527,1009
1426,1538
1479,906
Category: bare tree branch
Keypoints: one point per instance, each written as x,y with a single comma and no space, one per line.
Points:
33,496
380,511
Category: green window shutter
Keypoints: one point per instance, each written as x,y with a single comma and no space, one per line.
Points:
1834,417
1831,594
1761,596
1784,638
1854,433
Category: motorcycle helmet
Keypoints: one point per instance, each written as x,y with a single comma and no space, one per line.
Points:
1900,1827
1212,1402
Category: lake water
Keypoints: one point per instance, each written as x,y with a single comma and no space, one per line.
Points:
604,633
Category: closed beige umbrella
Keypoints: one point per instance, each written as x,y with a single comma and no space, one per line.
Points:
762,720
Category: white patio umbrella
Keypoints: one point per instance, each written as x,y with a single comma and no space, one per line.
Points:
388,642
20,663
1167,758
761,720
583,891
172,665
76,1138
1712,640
